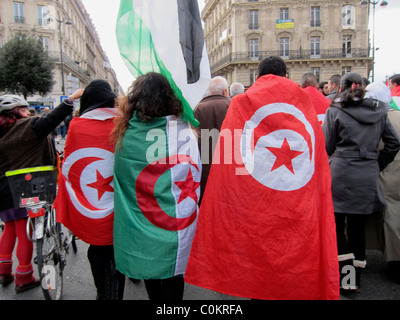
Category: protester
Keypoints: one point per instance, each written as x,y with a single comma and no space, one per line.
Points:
88,161
235,89
318,100
323,88
266,226
210,112
24,143
157,174
394,86
353,128
390,183
333,86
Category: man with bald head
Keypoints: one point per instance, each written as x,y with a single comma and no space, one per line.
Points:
210,112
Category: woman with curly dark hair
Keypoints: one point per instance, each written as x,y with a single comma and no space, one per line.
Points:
157,174
353,128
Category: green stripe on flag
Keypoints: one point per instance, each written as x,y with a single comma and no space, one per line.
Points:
395,103
139,53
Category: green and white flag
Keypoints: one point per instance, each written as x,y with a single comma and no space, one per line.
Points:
395,103
166,36
157,173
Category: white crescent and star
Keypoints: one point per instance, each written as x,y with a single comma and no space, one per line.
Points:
89,181
279,155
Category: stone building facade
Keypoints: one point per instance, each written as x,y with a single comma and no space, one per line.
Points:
68,34
325,37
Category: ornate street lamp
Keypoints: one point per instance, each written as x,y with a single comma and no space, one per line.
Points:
364,4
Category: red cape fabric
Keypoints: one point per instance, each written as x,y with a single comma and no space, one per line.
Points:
88,140
268,242
319,101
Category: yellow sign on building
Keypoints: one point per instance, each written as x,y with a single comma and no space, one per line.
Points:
285,24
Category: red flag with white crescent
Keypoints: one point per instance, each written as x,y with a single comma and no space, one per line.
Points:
84,202
268,201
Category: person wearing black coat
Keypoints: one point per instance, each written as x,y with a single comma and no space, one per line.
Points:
353,128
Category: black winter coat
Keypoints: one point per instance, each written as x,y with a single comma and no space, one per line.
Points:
352,136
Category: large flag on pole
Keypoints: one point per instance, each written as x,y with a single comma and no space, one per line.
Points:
166,36
266,227
85,198
157,175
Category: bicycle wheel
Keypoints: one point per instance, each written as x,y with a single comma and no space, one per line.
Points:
50,260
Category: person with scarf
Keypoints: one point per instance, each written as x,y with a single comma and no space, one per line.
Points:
353,127
24,142
84,201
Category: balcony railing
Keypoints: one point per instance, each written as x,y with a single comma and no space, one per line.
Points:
324,54
19,19
68,62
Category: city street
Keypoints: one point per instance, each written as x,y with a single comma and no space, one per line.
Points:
377,283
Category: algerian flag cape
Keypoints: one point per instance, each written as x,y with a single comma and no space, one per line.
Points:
166,36
157,175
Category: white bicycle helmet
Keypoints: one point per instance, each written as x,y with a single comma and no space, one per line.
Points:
11,101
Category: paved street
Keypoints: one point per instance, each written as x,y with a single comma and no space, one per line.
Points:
377,283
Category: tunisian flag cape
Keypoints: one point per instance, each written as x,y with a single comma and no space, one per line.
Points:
319,101
84,202
266,227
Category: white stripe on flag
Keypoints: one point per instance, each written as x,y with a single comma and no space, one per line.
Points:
181,140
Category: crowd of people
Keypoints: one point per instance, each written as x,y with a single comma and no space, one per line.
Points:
318,160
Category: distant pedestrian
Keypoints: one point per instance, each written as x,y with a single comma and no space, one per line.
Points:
333,86
210,112
235,89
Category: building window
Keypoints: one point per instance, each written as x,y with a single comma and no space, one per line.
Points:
254,47
19,12
315,47
315,20
253,0
253,19
284,48
345,70
316,72
42,15
348,15
253,76
45,43
284,13
346,46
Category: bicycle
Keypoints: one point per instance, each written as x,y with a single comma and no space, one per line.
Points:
35,189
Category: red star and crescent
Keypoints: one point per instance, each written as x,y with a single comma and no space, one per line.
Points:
102,184
145,185
188,188
284,156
